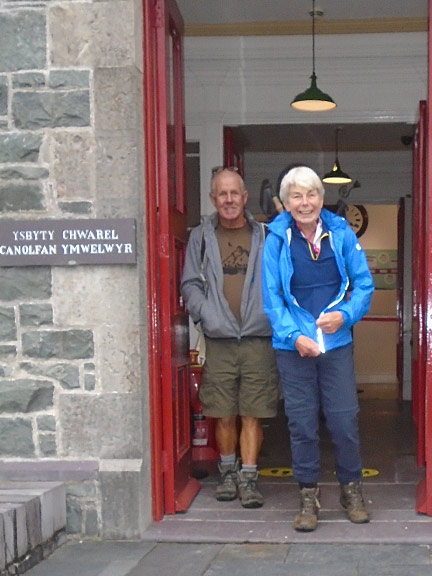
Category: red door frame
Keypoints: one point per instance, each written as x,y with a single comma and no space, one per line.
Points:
419,283
179,487
172,487
422,267
153,302
424,493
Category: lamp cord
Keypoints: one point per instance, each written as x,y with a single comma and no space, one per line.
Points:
313,37
337,142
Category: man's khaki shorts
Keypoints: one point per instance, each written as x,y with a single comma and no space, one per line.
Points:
239,377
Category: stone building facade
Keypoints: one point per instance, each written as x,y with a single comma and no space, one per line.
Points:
73,348
74,363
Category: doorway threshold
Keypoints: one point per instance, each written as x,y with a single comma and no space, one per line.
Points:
389,487
393,518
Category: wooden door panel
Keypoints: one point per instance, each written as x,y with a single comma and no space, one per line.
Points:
419,283
422,299
179,487
424,494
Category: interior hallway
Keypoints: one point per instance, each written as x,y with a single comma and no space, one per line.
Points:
388,446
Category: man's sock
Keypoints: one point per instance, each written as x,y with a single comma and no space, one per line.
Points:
228,460
249,468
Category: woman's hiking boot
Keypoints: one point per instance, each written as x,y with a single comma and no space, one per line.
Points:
307,519
352,500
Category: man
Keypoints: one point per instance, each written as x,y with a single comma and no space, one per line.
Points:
221,286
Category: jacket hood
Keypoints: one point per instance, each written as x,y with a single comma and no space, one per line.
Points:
283,221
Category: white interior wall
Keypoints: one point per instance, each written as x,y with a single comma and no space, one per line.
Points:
251,80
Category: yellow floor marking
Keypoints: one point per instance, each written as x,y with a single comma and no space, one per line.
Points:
276,472
286,472
369,472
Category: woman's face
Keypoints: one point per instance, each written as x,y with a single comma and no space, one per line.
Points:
305,206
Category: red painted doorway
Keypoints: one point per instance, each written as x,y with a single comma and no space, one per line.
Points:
173,487
165,266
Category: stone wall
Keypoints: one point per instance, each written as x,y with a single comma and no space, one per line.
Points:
73,350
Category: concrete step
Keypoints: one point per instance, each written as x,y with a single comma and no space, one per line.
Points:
32,523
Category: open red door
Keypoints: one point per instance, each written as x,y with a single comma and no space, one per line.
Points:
422,297
422,301
173,487
419,283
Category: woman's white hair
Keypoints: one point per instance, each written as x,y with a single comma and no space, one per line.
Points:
301,176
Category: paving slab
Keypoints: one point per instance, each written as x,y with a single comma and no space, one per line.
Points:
179,559
197,559
248,568
369,554
93,559
397,571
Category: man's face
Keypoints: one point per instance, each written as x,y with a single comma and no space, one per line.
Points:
229,198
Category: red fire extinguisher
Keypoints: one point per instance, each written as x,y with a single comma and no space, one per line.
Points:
203,431
200,423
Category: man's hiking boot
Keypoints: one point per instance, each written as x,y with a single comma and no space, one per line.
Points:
351,499
307,519
249,493
227,488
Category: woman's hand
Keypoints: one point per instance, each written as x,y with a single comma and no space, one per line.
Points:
330,322
307,347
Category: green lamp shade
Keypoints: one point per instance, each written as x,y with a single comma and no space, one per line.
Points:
313,100
336,176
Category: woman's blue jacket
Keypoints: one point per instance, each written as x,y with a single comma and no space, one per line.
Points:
287,318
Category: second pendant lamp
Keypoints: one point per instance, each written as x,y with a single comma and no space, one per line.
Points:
336,175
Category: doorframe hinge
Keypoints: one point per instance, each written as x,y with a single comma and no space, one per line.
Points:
158,20
164,245
165,461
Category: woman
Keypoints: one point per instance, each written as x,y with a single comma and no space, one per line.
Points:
311,258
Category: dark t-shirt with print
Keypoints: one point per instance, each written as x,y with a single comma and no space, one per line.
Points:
234,246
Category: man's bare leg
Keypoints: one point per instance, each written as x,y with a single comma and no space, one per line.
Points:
251,437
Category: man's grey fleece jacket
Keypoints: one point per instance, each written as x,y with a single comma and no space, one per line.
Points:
202,284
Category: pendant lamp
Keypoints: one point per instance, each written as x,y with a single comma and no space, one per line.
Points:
336,175
312,99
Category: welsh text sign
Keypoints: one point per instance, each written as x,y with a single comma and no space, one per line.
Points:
67,242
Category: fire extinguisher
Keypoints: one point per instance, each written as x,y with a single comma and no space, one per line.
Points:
200,433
